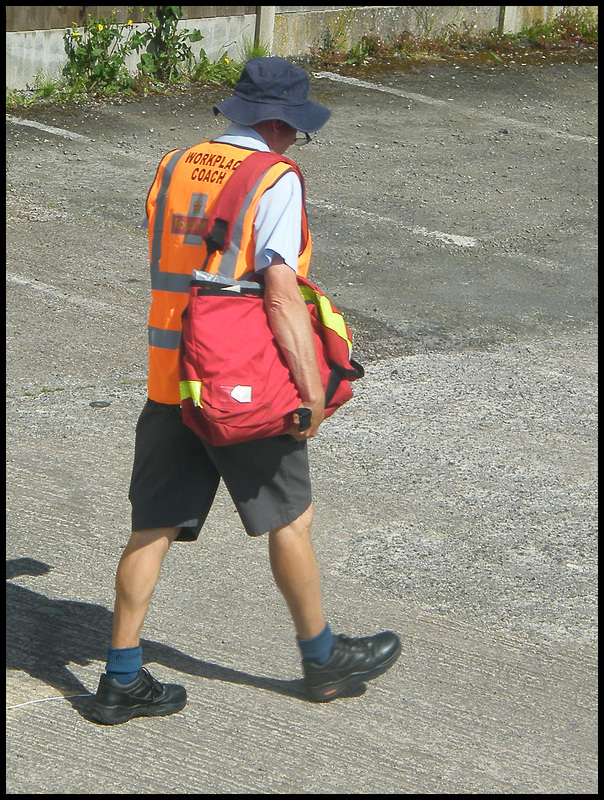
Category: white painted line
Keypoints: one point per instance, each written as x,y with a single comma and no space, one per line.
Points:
46,700
377,87
422,98
60,294
46,128
450,238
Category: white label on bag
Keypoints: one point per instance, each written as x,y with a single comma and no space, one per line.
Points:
243,394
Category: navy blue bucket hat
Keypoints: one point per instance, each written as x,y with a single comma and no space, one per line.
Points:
273,88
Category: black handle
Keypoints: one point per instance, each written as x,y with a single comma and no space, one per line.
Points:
305,416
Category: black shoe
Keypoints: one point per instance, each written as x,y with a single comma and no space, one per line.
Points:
117,702
351,662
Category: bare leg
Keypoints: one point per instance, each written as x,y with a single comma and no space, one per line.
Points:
137,574
296,574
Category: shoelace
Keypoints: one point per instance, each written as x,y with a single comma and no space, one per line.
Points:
353,643
156,686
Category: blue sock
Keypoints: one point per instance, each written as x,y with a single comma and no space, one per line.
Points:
318,648
124,663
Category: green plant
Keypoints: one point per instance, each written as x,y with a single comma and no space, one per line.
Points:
168,47
15,99
372,45
224,71
571,27
412,45
331,48
97,52
252,49
426,18
96,56
44,87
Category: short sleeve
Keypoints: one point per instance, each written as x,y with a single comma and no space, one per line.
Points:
278,223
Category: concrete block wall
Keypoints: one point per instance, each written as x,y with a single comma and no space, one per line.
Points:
31,52
295,32
288,31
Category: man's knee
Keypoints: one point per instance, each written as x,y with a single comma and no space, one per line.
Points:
300,525
156,537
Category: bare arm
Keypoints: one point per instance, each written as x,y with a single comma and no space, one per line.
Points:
290,323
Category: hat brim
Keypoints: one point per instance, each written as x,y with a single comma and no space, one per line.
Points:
307,117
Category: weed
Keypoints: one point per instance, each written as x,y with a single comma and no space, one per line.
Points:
44,87
224,71
570,29
169,56
96,56
16,99
252,49
332,48
426,18
411,45
370,46
97,53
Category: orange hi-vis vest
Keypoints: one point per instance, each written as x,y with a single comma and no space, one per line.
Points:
183,194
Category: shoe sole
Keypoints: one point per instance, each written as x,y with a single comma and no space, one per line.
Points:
113,715
326,692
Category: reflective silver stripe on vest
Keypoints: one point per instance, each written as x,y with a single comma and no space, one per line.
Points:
170,281
165,281
168,340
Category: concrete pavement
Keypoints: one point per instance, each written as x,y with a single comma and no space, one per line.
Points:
452,212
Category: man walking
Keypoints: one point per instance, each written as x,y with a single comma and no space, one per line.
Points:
175,473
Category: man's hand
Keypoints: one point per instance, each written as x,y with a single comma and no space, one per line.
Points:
291,326
317,416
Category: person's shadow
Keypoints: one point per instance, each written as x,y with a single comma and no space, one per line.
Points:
43,636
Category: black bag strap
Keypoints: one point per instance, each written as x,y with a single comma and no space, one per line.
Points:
337,375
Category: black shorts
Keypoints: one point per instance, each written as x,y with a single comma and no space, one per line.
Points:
176,474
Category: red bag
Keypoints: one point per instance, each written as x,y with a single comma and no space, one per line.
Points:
234,380
235,384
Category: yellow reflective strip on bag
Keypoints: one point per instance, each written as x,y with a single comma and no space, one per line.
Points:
192,390
330,318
